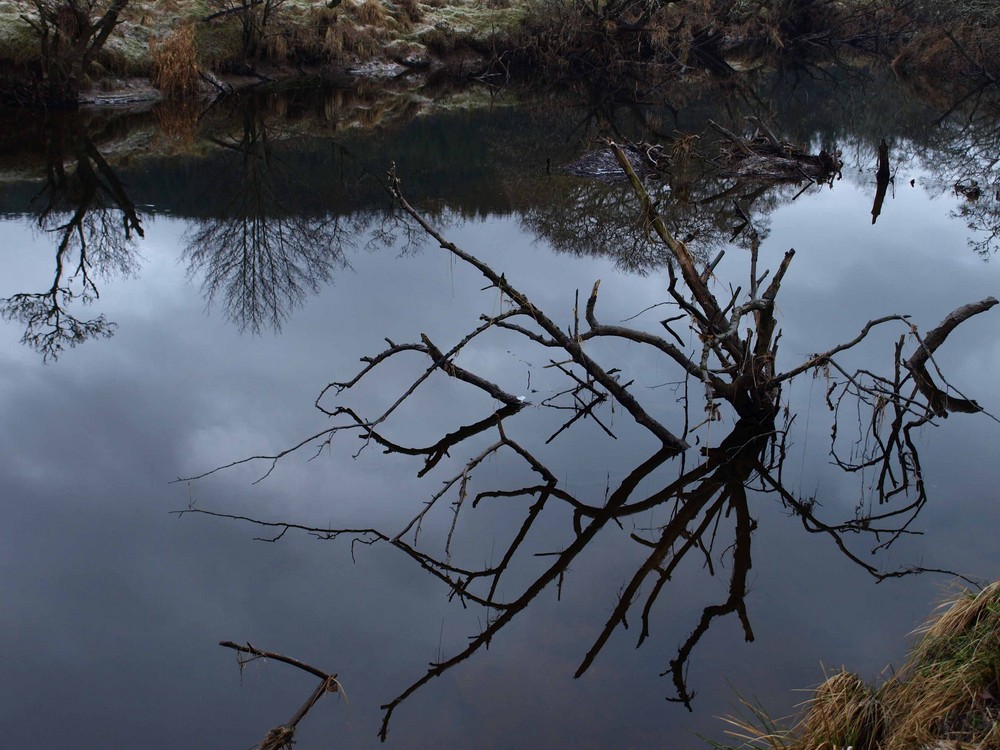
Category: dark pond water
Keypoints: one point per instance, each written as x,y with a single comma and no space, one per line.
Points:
244,257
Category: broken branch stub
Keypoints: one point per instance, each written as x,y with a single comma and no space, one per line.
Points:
283,735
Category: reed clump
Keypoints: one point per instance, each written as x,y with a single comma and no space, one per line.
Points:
945,697
844,712
371,13
175,63
949,688
411,9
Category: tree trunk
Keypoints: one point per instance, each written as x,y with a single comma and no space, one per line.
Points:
70,35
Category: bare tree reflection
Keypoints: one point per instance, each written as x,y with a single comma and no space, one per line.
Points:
703,503
966,160
597,216
695,178
961,153
84,205
262,256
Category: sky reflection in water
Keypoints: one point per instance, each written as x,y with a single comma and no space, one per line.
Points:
114,608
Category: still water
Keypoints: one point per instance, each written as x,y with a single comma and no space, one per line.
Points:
243,257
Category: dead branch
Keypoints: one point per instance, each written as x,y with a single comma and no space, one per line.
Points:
283,735
818,360
765,157
571,346
734,358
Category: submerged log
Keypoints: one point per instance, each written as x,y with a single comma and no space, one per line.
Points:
762,157
602,164
881,179
765,157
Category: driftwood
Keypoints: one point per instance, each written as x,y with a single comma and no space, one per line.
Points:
647,160
764,156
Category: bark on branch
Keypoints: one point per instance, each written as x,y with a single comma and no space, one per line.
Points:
283,735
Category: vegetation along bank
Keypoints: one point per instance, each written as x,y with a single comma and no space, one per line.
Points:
64,52
945,697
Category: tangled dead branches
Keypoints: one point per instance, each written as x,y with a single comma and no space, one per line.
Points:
733,364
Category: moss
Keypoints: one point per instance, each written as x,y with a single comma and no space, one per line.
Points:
18,42
127,51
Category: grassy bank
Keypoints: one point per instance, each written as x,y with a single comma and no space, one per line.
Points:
178,44
171,42
945,697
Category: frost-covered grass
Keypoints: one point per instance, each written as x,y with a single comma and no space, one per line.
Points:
307,32
355,30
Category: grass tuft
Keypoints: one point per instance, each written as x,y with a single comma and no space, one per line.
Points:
371,13
947,695
949,687
844,712
175,65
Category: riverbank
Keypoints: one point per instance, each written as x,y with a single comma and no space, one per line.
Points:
946,696
184,48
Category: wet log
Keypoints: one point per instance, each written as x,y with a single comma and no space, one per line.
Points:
881,179
764,156
646,160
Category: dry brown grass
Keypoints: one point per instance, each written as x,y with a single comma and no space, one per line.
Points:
371,13
332,44
277,47
938,69
175,63
844,712
930,54
357,41
411,10
962,49
316,39
947,695
949,687
684,149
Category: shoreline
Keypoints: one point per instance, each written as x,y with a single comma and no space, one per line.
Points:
173,50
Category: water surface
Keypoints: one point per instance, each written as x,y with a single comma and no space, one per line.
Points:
266,267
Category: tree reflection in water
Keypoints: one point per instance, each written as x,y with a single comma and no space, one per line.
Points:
702,511
85,206
964,159
261,255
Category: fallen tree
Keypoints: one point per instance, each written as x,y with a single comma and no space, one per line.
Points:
733,366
